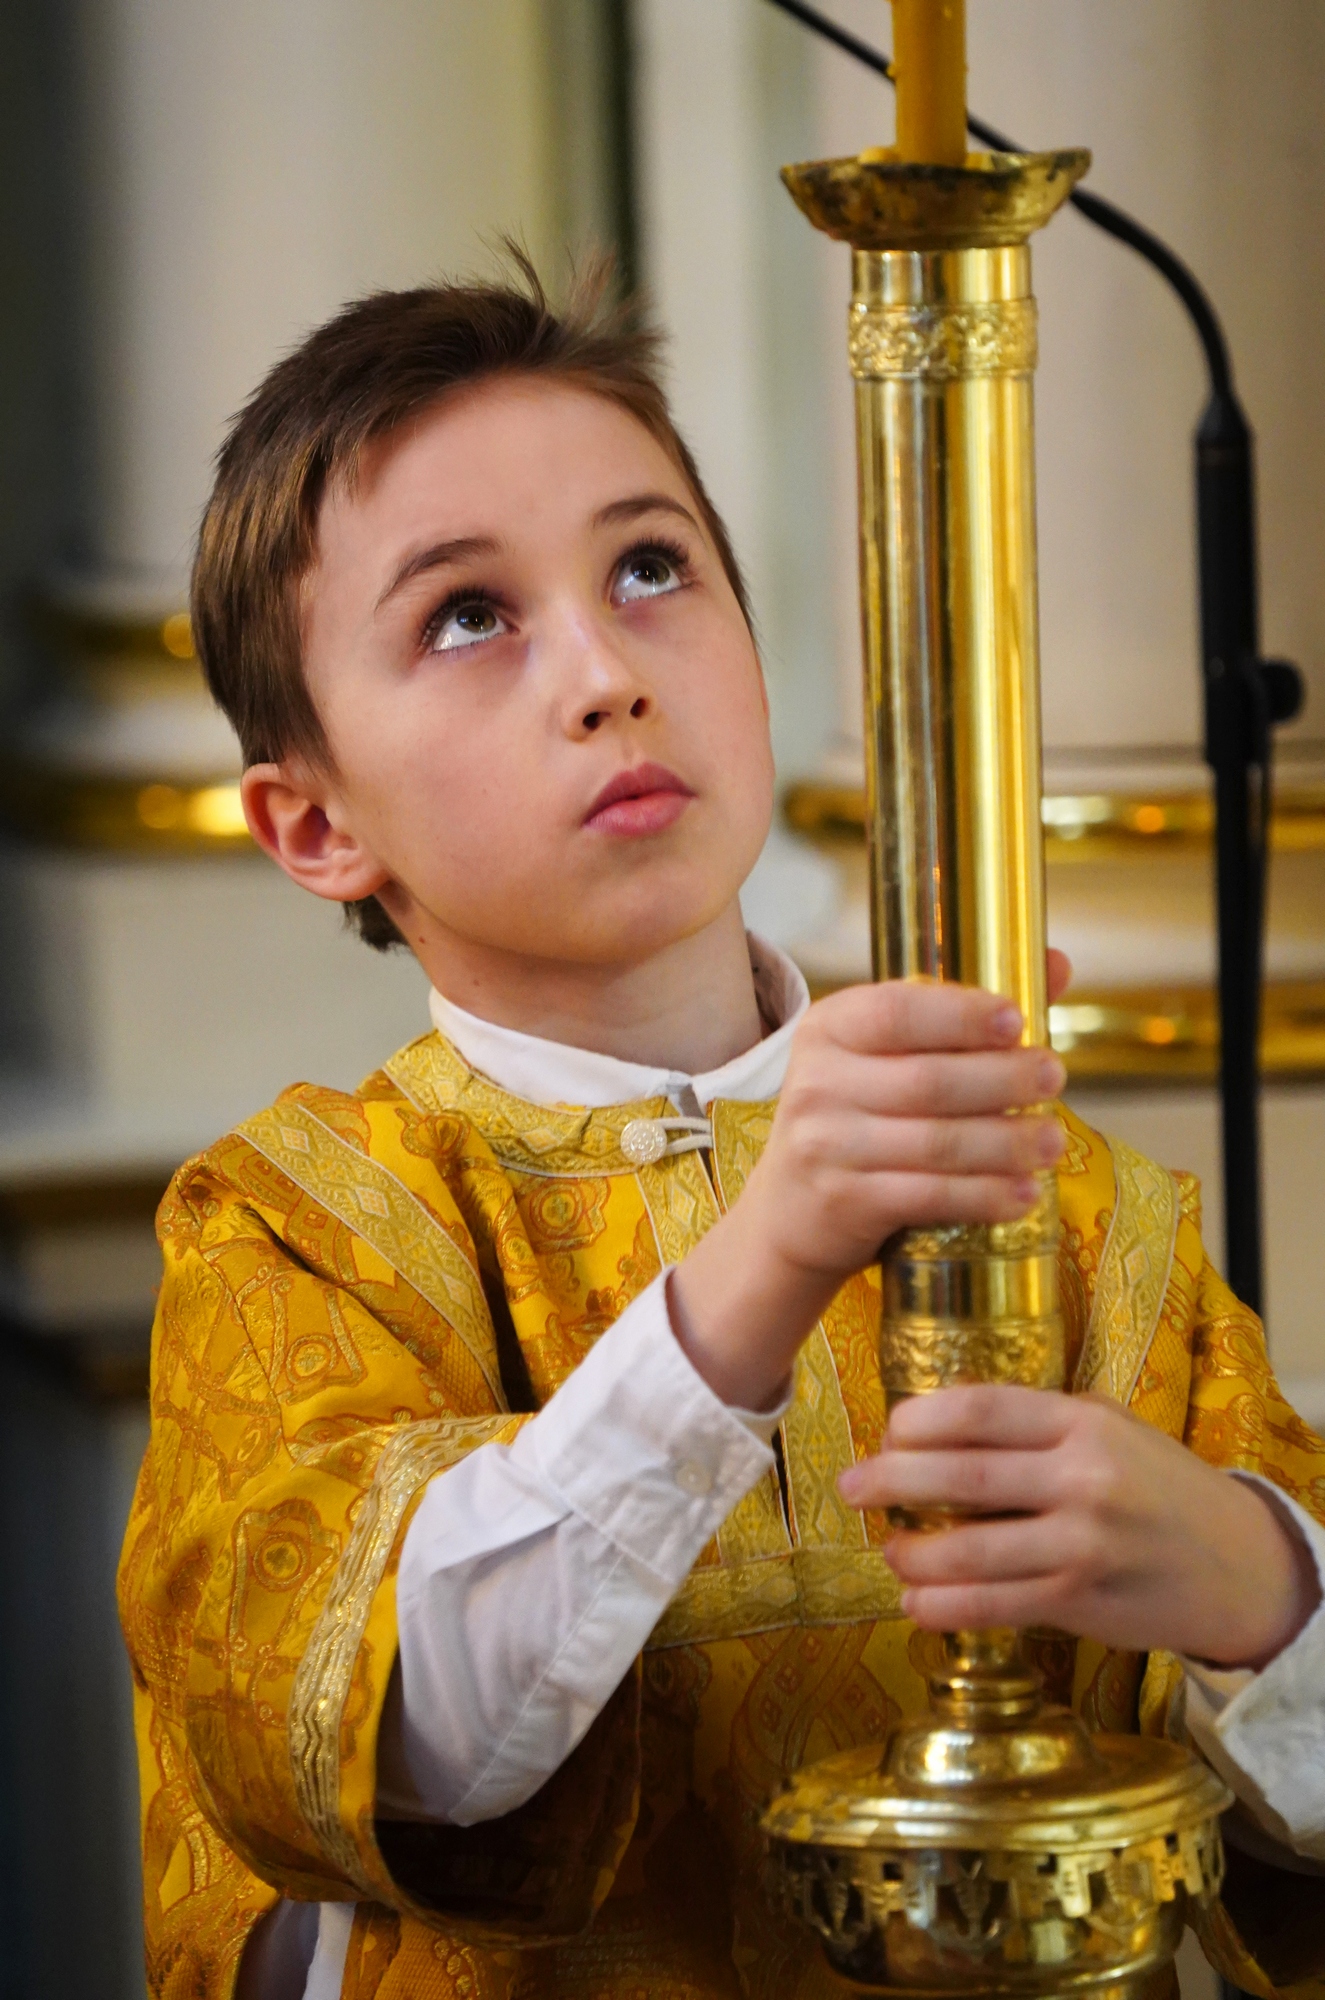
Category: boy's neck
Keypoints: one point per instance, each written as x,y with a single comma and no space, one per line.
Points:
689,1008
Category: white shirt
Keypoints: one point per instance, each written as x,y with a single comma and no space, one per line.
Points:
533,1573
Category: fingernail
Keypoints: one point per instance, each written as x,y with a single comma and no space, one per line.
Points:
1025,1192
1051,1076
848,1483
1007,1023
1049,1145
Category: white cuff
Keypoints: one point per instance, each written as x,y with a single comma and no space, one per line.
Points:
761,1424
639,1445
1264,1732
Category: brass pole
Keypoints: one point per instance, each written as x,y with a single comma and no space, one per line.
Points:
942,345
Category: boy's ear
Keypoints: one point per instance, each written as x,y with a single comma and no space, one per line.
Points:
292,817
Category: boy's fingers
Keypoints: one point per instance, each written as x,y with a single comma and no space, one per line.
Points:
926,1201
947,1084
978,1607
996,1414
979,1552
995,1145
901,1014
986,1482
1058,969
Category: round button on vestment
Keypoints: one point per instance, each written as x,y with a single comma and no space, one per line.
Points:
643,1141
693,1479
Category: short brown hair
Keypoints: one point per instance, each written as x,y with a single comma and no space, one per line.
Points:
375,364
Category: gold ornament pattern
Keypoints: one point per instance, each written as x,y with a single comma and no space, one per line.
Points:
919,1359
942,344
318,1357
408,1461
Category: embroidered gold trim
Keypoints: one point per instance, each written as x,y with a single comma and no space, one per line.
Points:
817,1428
819,1444
804,1587
681,1206
680,1202
372,1202
551,1140
1135,1266
322,1680
740,1133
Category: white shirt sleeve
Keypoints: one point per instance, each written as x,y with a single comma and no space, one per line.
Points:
1263,1732
532,1573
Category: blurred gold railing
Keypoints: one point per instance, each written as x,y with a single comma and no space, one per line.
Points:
69,809
1144,1034
1086,826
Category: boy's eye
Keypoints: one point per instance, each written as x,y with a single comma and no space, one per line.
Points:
466,625
646,573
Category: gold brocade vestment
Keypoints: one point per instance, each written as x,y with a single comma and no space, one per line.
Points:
360,1289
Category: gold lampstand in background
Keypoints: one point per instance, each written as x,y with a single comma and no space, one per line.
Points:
992,1847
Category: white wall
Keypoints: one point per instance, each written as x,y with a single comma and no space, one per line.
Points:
246,169
724,93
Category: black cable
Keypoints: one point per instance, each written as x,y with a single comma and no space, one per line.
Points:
810,17
1244,696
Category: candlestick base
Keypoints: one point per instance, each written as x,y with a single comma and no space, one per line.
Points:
995,1848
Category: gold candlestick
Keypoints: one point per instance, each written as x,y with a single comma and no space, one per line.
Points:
992,1847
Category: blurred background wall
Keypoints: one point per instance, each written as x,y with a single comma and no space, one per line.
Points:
184,190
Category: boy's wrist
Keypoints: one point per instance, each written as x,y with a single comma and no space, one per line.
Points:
1289,1567
740,1311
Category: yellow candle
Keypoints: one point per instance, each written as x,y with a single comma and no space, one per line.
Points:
929,62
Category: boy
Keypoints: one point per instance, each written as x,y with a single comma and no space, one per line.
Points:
511,1523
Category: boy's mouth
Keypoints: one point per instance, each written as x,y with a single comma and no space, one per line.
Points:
647,799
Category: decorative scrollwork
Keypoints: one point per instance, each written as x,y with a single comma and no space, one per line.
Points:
942,343
916,1359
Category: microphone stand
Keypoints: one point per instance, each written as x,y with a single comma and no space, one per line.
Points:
1244,694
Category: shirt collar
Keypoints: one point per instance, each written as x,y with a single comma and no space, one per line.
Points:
545,1072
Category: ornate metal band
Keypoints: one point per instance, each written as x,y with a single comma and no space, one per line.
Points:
942,343
1078,1903
919,1357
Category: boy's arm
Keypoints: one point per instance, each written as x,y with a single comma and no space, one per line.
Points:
533,1573
1264,1731
1268,1724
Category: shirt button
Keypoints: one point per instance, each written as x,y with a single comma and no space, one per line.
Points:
694,1479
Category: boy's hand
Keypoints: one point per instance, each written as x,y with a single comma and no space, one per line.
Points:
892,1114
1108,1528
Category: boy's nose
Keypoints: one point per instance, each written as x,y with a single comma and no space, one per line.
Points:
601,681
595,716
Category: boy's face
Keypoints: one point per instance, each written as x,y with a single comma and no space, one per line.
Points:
515,617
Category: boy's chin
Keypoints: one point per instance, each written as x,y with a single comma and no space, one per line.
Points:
632,940
584,923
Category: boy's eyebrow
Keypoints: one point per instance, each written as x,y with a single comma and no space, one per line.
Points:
465,546
437,557
642,503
